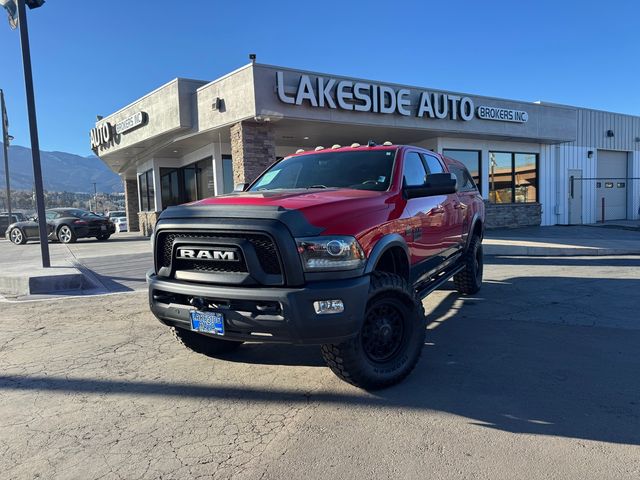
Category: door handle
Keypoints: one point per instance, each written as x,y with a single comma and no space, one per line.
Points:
460,206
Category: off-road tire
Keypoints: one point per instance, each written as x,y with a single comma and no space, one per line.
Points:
17,236
351,361
204,344
469,280
66,236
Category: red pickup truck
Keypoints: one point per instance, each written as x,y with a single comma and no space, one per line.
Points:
335,247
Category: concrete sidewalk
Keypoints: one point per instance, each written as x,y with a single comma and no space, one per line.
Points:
87,267
559,240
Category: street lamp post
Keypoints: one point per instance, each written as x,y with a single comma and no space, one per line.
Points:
33,125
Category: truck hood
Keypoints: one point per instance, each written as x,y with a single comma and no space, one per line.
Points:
319,206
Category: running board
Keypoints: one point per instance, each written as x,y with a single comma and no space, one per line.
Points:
425,288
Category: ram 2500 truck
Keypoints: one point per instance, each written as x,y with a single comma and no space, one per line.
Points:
335,247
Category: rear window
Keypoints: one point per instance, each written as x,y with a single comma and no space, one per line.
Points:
361,170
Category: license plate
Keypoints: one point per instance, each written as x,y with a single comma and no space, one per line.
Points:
207,322
103,227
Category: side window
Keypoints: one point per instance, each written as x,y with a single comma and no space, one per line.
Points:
465,182
433,164
51,215
414,173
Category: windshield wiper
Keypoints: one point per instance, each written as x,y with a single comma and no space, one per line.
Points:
318,186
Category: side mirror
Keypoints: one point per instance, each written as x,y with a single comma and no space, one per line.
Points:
436,184
240,187
33,219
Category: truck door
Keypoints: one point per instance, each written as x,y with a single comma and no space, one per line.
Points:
425,221
466,196
451,232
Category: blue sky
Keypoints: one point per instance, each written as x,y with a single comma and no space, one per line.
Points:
92,57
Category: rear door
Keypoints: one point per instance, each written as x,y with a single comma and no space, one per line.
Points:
467,194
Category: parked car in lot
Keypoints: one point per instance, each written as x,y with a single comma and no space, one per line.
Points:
5,222
63,224
334,247
120,223
116,214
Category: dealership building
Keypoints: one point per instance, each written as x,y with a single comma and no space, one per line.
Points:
535,163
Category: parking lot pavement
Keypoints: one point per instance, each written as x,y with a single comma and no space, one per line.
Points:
535,377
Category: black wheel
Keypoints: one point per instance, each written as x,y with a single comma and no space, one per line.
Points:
102,238
469,280
390,341
204,344
66,234
16,236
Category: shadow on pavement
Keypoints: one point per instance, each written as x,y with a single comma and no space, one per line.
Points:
490,358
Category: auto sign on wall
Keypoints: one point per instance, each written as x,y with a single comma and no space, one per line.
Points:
359,96
104,134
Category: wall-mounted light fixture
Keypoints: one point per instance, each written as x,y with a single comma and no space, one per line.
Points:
610,133
215,103
590,154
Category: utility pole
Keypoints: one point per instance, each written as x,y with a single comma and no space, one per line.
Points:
5,143
33,127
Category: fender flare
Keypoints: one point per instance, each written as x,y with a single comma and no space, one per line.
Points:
384,244
474,221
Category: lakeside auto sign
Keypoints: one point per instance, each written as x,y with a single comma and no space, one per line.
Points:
369,97
103,134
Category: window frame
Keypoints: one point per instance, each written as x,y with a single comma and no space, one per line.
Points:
426,164
150,198
479,152
513,176
466,177
404,165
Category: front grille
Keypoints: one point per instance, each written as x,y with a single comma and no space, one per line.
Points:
211,266
263,244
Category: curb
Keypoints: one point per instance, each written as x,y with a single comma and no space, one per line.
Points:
41,281
524,251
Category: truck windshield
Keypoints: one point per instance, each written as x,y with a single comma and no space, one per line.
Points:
362,170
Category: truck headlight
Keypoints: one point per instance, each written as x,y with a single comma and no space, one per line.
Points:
330,253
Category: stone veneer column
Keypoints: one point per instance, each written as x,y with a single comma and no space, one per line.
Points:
131,204
253,149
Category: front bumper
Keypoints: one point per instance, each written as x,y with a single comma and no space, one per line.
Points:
250,314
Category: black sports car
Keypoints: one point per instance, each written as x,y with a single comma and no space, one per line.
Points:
63,224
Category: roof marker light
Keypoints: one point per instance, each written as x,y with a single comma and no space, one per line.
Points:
300,150
336,146
355,145
387,143
319,147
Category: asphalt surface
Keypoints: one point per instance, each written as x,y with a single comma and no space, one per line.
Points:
535,377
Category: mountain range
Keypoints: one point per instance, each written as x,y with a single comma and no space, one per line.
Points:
61,172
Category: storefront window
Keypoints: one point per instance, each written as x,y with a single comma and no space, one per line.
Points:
470,159
526,177
147,192
187,184
513,177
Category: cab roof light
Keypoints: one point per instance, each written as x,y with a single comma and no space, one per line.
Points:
355,145
300,150
387,143
335,146
319,147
